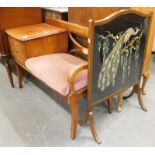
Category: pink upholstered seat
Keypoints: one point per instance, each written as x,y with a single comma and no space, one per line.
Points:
54,70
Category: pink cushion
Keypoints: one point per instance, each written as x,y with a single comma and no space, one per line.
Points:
54,69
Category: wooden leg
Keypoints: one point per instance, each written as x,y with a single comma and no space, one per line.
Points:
8,68
120,101
110,108
74,115
139,92
19,74
128,96
145,79
92,127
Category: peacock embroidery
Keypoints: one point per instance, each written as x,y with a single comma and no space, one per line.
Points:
123,46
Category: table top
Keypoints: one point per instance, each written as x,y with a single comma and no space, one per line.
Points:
30,32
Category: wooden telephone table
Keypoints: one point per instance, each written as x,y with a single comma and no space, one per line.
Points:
35,40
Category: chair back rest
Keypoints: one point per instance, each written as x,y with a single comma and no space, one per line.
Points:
116,53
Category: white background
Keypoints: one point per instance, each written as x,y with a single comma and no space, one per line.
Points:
77,151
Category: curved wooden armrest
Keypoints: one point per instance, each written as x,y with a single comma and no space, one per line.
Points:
73,75
82,49
78,50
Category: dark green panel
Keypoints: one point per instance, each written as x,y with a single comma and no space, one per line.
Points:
118,54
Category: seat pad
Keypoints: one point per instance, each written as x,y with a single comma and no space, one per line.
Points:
54,70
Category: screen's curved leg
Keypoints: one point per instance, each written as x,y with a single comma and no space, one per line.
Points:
129,95
138,91
92,127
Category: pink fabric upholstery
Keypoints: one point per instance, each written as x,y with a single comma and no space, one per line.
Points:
54,70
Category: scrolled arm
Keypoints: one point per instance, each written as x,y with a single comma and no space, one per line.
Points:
81,48
73,75
78,50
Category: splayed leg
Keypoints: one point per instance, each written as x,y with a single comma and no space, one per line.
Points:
128,96
138,91
92,127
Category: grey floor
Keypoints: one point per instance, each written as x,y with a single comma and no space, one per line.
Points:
34,116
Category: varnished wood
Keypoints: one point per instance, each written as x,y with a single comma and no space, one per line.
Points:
129,95
56,40
93,130
120,101
18,16
73,75
83,49
71,27
72,99
147,59
82,53
90,59
19,74
123,12
146,76
5,59
47,45
90,103
80,31
136,89
86,116
23,47
139,95
92,24
9,71
110,106
18,50
26,33
81,15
